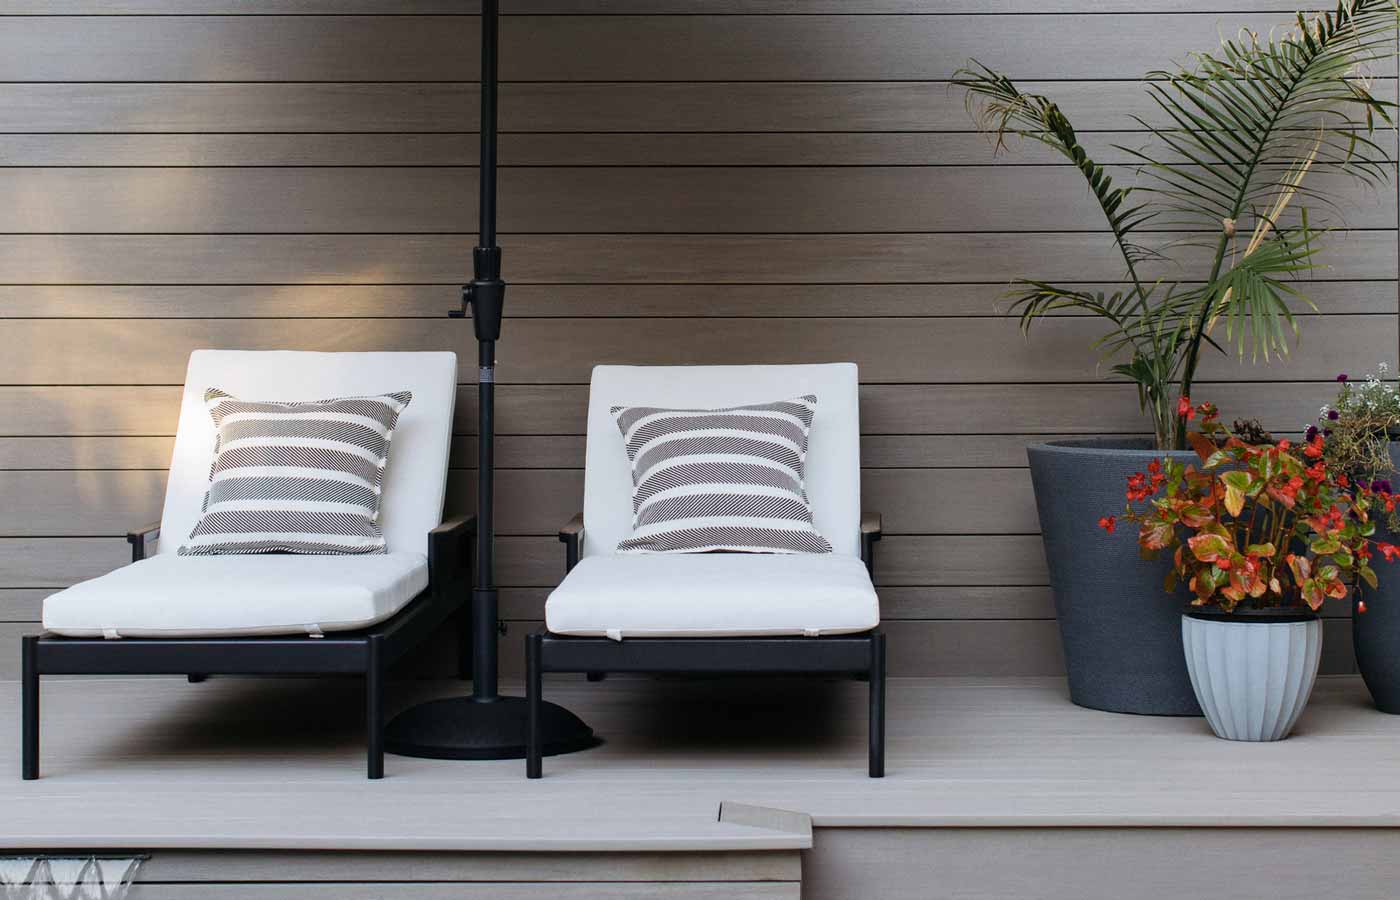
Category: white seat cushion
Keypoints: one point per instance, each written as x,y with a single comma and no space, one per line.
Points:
714,595
222,596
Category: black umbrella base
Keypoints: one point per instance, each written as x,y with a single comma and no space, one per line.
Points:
465,728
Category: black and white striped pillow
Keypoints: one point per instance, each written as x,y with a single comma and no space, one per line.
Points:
296,477
720,479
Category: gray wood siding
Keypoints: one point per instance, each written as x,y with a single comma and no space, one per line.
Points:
683,183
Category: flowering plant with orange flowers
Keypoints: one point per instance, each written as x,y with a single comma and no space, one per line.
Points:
1266,525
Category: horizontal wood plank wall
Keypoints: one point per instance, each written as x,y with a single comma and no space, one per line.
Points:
738,181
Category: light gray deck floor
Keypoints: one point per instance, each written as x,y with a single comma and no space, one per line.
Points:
234,763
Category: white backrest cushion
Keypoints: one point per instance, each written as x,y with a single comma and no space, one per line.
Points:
833,451
415,481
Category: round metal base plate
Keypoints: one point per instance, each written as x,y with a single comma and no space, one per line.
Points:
465,728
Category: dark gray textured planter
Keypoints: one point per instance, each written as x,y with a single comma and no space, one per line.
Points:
1121,631
1376,632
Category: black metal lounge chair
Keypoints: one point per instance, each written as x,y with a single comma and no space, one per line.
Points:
695,613
265,614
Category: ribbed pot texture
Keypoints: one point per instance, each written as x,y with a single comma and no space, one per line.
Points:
1376,632
1118,625
1253,678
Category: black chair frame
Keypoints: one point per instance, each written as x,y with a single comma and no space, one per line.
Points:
860,655
367,652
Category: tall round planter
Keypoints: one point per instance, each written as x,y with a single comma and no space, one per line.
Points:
1376,632
1252,675
1120,629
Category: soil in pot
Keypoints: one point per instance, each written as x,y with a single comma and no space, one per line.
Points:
1120,629
1252,671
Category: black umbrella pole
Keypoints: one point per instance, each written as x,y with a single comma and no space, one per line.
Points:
485,605
486,294
485,725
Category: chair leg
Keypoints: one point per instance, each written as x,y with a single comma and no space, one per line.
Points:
29,764
374,705
196,677
534,687
877,706
596,676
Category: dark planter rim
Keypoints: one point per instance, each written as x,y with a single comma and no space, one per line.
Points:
1096,446
1281,615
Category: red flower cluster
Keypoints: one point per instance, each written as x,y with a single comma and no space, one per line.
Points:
1184,410
1141,486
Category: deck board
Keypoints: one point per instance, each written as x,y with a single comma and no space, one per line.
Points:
233,763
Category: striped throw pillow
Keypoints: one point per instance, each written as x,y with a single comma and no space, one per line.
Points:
296,477
720,479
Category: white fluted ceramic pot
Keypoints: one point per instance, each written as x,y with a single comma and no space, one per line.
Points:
1252,674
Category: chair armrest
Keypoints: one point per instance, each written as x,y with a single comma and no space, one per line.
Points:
140,538
449,551
571,535
871,530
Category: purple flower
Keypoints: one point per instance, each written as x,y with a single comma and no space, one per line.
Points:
1333,415
1343,378
1311,433
1326,432
1381,486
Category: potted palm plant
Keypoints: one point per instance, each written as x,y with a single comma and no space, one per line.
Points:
1361,428
1260,536
1212,241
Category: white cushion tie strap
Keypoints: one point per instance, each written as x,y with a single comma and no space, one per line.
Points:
314,631
614,634
110,634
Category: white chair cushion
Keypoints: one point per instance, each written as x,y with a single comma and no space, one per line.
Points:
224,596
714,595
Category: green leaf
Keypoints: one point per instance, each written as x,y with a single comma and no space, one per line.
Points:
1238,484
1239,479
1209,547
1324,546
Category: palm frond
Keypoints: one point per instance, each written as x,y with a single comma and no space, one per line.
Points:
1253,296
1002,109
1237,133
1030,300
1239,121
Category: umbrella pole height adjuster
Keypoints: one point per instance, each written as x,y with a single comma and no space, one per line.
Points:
485,294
